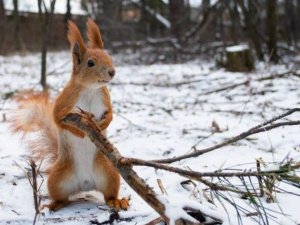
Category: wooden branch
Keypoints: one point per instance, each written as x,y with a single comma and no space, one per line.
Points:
86,123
198,175
35,189
246,82
177,84
254,130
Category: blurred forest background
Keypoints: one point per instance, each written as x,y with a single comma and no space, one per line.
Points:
187,26
165,30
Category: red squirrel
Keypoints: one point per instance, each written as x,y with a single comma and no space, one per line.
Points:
77,165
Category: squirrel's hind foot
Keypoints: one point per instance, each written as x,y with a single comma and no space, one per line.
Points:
55,206
118,203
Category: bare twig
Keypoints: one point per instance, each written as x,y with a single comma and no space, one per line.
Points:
34,189
35,172
261,187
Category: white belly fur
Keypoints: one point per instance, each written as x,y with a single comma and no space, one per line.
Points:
82,149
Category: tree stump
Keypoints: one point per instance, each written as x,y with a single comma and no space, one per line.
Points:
239,58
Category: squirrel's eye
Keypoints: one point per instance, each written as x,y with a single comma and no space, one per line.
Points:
90,63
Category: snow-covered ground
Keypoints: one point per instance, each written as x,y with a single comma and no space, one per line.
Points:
162,111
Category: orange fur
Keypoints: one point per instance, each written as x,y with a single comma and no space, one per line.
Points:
74,36
93,34
108,116
33,116
69,147
64,104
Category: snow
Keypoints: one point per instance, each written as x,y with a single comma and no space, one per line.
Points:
175,211
155,116
195,3
237,48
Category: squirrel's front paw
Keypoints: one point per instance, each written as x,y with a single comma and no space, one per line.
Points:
89,114
118,203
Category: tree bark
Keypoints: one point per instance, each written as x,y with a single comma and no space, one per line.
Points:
177,17
291,28
249,15
46,22
240,60
111,10
235,21
2,26
271,23
68,14
145,18
16,26
205,5
2,11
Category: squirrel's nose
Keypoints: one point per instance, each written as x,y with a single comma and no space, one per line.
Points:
112,73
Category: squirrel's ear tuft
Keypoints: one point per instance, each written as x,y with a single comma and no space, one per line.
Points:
76,42
93,34
76,52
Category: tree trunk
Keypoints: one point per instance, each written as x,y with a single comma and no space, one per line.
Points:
16,26
177,17
235,21
287,28
2,26
111,10
205,5
249,14
112,17
2,12
239,59
188,11
253,28
44,59
145,18
272,29
290,22
46,22
68,14
297,18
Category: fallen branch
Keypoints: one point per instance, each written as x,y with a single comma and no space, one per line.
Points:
177,84
254,130
87,123
198,175
246,82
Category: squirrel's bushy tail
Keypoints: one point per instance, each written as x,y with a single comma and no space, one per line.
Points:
34,115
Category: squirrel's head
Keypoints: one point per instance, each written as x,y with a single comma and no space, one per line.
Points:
92,67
